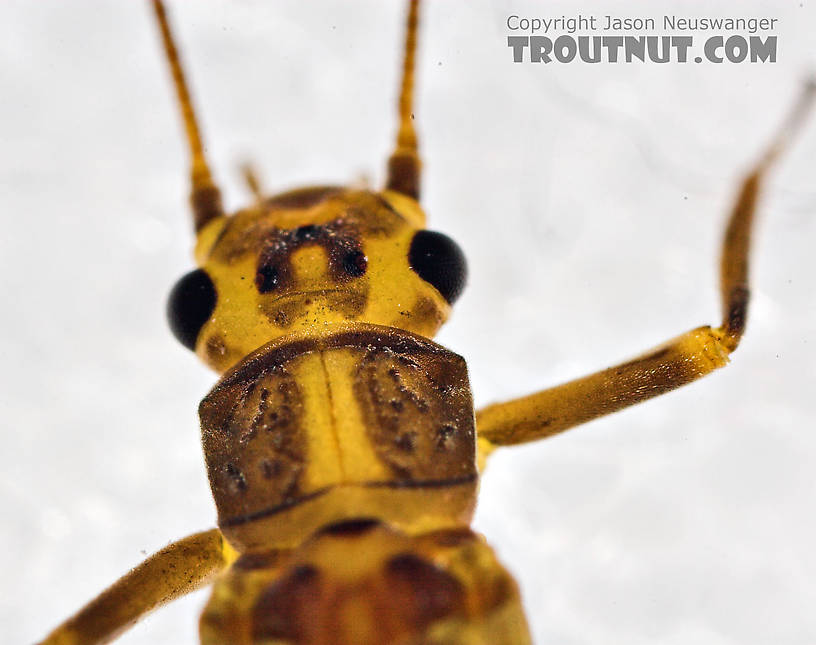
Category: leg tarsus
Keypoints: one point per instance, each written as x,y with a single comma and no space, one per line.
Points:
678,362
734,264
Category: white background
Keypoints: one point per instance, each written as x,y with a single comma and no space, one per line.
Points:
589,200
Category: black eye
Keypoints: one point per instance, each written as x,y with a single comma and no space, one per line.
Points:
190,305
438,259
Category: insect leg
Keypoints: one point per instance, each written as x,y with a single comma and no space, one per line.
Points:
677,362
176,570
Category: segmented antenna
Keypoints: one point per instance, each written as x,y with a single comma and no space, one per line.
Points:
404,164
205,198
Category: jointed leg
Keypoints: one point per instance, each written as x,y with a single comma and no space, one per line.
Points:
176,570
680,361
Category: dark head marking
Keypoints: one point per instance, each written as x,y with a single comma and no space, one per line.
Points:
267,278
339,238
306,233
355,263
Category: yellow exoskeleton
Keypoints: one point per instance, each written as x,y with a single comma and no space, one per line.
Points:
341,442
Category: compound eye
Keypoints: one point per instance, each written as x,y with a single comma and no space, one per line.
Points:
438,259
190,305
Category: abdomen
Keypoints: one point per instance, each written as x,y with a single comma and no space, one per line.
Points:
364,583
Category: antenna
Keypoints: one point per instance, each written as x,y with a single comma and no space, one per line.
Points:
404,164
205,197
